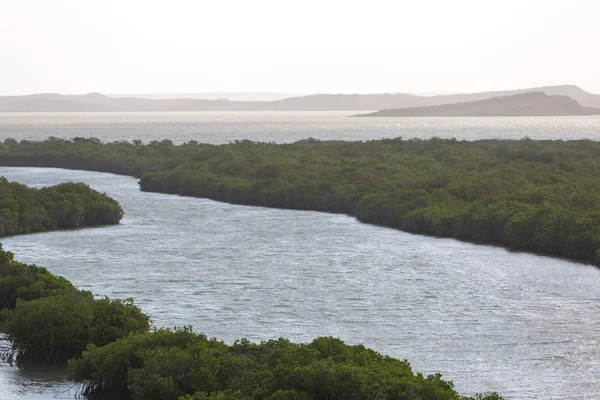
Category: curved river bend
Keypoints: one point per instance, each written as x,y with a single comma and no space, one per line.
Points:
524,325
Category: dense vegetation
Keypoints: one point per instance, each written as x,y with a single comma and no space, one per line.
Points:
179,364
64,206
25,282
48,321
532,195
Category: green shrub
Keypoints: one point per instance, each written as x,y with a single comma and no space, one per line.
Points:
26,282
64,206
179,364
51,330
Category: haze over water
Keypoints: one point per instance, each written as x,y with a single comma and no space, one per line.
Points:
486,318
285,127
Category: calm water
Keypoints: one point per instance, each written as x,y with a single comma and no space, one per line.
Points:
223,127
527,326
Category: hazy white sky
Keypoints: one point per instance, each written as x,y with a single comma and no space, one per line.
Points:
187,46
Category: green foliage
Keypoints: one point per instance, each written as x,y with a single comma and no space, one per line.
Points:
26,282
179,364
64,206
532,195
51,330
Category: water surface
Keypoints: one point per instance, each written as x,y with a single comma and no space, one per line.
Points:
527,326
280,127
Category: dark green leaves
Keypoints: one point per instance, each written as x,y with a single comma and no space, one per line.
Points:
532,195
178,364
64,206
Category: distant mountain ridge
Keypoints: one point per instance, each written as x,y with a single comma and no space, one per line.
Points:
233,96
51,102
516,105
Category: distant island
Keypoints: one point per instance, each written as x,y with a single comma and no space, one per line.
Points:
97,102
522,104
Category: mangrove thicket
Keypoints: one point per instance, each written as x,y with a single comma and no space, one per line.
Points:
65,206
540,196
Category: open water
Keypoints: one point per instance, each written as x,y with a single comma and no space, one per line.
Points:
224,127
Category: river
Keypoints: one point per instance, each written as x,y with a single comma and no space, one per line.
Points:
525,325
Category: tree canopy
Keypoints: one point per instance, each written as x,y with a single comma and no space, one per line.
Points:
65,206
180,364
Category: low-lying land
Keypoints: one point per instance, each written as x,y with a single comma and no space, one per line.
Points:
540,196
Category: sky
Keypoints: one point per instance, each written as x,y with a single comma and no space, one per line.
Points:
325,46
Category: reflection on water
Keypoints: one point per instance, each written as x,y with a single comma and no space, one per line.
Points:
524,325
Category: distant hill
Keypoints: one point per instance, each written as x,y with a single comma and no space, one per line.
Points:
522,104
50,102
233,96
346,102
99,102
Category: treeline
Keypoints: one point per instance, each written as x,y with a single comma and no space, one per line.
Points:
64,206
113,354
540,196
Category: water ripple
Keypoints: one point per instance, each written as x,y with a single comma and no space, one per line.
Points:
525,325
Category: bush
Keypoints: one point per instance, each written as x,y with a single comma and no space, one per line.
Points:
53,329
26,282
64,206
179,364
